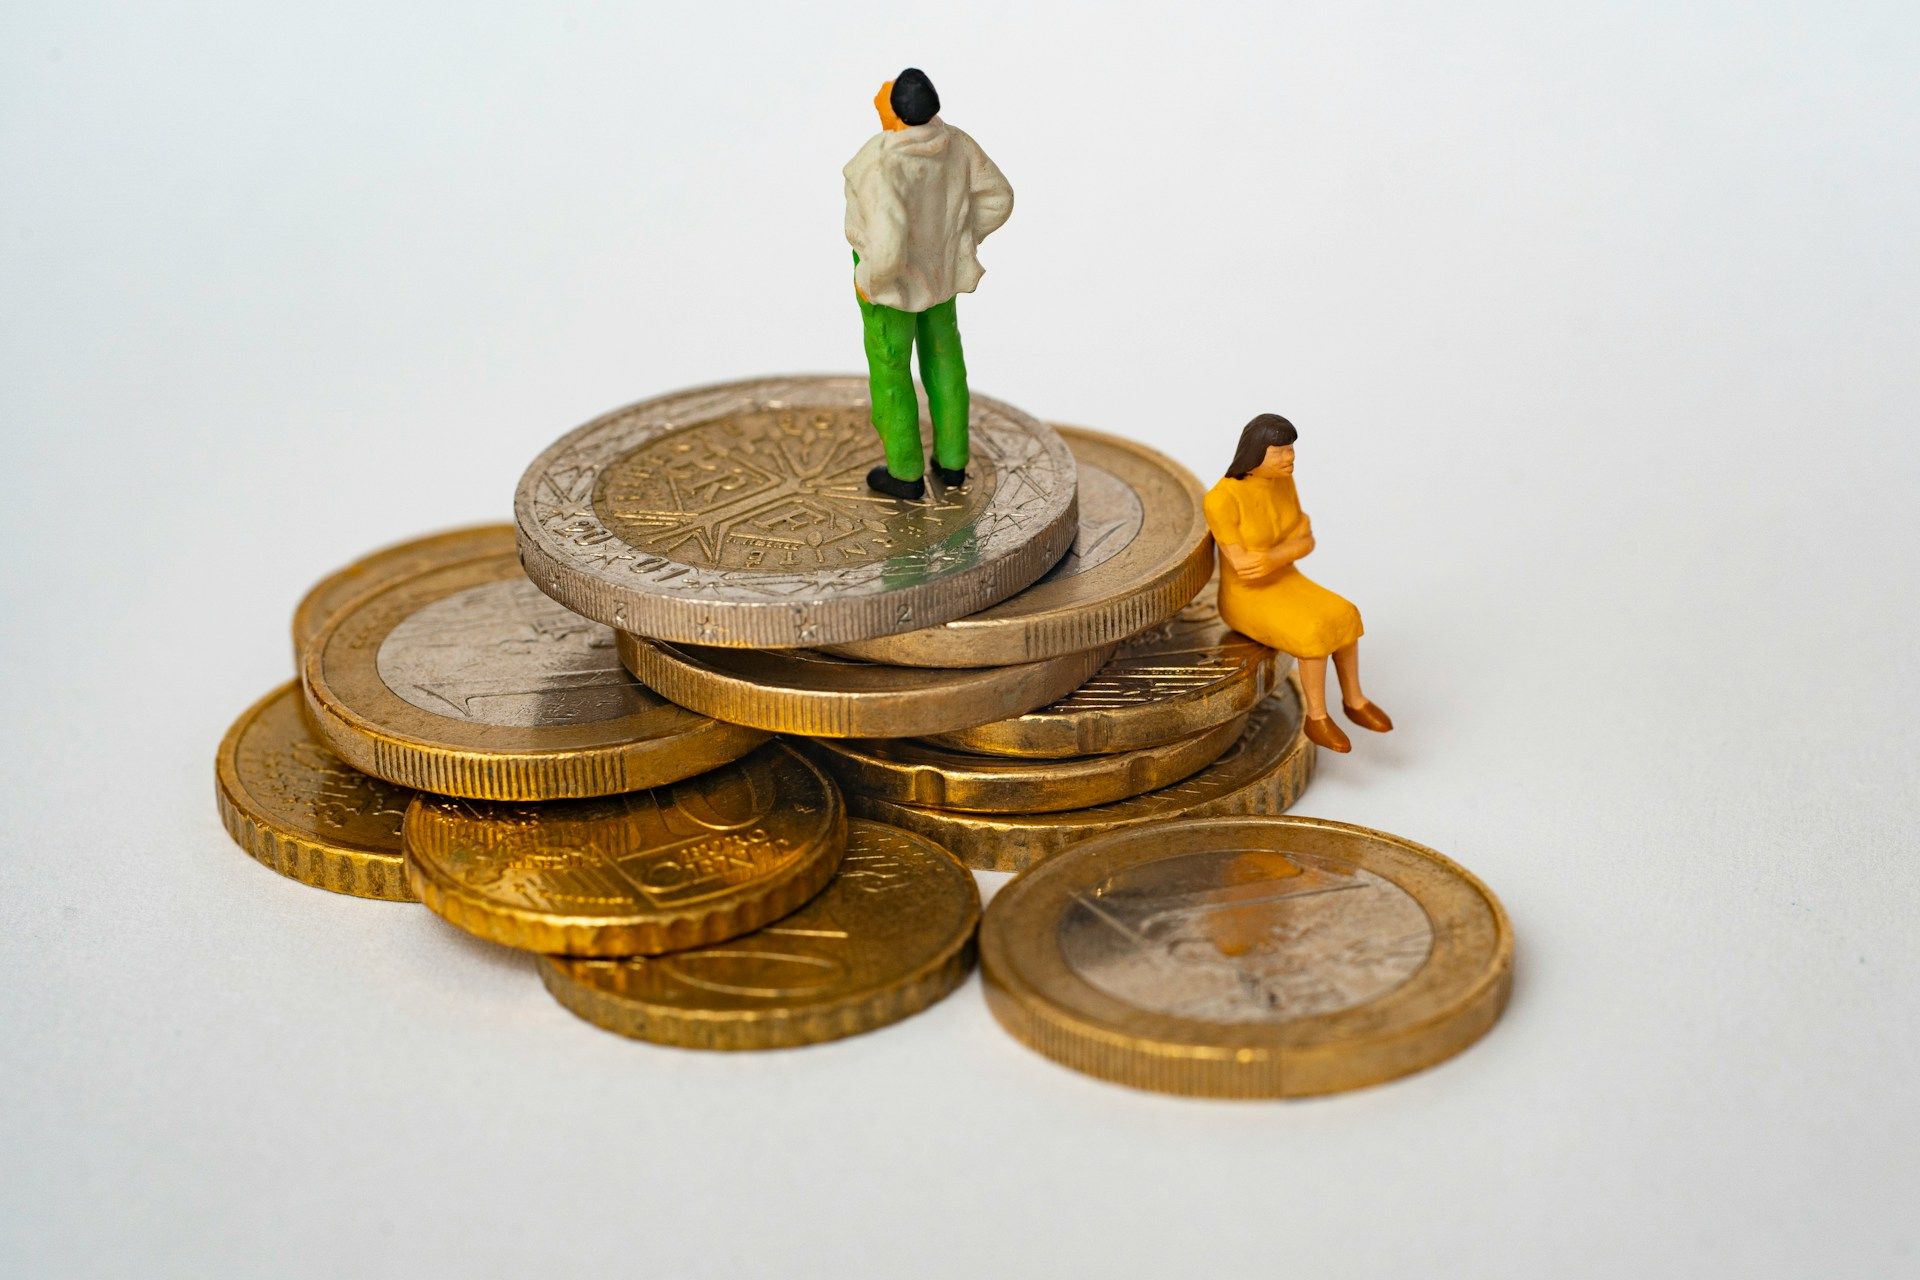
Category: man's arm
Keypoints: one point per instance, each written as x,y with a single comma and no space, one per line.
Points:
991,194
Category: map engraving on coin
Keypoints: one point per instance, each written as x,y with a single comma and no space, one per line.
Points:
738,515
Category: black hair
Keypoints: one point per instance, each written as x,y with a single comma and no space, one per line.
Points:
1266,431
913,98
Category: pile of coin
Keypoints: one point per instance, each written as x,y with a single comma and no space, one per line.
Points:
715,730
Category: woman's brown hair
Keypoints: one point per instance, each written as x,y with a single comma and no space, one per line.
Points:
1266,431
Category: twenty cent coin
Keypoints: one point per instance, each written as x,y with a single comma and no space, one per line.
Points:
662,870
298,808
1127,569
467,681
913,771
1263,772
818,694
739,515
1247,957
892,933
1182,677
401,560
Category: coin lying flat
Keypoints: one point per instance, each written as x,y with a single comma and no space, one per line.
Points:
912,771
1247,957
298,808
821,695
682,866
466,681
890,934
401,560
1125,571
1182,677
1264,772
739,515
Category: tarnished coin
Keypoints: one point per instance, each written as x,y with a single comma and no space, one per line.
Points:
466,681
1264,772
1142,551
1185,676
913,771
1247,957
739,515
298,808
818,694
889,935
683,866
402,560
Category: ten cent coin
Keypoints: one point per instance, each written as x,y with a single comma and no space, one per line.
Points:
892,933
1247,957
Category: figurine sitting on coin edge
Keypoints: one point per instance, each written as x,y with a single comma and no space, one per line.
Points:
1257,525
921,196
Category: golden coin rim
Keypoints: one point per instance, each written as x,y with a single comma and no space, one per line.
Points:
1267,783
1152,579
1451,1001
874,1006
643,931
927,700
1049,734
358,871
376,731
909,771
396,560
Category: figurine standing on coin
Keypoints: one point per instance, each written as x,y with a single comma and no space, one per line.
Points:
921,196
1254,513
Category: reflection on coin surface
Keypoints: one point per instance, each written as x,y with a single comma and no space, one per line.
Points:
1263,772
1247,957
914,771
298,808
467,681
401,560
822,695
1181,677
703,860
1141,552
739,515
888,936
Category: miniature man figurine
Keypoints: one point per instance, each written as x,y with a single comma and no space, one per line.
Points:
1255,517
921,196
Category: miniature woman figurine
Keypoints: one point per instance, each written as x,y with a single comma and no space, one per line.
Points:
1258,526
921,196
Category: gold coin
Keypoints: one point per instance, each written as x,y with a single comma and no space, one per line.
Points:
1264,772
810,692
1124,572
1247,957
298,808
466,681
402,560
889,935
1186,675
740,515
912,771
682,866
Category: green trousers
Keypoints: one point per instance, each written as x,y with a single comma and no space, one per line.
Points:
890,337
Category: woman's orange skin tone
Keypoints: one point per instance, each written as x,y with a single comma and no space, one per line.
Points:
1258,566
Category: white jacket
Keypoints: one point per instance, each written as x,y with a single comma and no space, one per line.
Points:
919,200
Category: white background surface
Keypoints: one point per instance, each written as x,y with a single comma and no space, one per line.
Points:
1600,329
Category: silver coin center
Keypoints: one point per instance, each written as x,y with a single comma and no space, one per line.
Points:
1111,516
1246,936
504,654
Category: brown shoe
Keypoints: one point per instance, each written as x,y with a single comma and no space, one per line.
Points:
1368,716
1327,734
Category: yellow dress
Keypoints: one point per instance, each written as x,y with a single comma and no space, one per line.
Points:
1289,611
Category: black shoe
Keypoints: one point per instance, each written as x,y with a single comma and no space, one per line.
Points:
881,480
948,476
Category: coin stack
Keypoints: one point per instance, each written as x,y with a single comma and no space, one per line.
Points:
713,728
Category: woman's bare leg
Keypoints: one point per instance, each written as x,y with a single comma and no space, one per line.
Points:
1313,682
1346,665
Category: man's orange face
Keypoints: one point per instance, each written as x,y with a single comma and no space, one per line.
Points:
883,103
